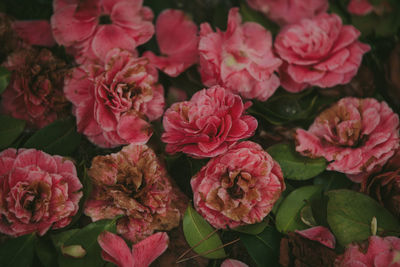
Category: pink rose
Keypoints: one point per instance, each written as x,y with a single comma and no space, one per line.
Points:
238,187
37,192
360,7
89,29
319,52
208,124
240,59
115,249
381,252
320,234
133,183
289,11
35,32
177,39
354,135
233,263
114,102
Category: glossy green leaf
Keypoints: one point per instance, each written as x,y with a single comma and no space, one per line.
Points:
45,251
252,229
59,137
330,180
4,79
350,213
17,252
196,229
288,217
10,129
295,166
264,247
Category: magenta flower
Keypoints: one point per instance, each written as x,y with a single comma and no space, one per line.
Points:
89,29
238,187
35,32
114,102
320,234
240,59
115,249
360,7
355,135
37,192
319,52
233,263
207,125
289,11
177,39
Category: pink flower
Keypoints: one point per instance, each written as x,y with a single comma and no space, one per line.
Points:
238,187
37,192
133,183
320,234
35,32
143,253
360,7
319,52
354,135
382,252
208,124
289,11
240,59
233,263
114,102
92,28
177,39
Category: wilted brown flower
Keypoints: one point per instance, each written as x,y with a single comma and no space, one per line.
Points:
35,92
133,183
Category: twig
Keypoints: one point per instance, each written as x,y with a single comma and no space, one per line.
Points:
197,244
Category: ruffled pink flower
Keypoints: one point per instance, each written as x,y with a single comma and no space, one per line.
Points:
354,135
289,11
320,234
360,7
177,39
35,32
37,192
319,52
240,59
115,250
207,125
238,187
381,252
133,183
233,263
89,29
114,102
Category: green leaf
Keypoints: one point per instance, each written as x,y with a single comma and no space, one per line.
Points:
294,166
252,229
17,252
59,137
4,79
45,251
264,247
10,129
330,180
196,229
87,238
350,214
288,217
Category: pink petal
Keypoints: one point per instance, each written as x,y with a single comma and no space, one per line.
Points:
348,34
233,263
149,249
115,250
35,32
134,129
320,234
302,74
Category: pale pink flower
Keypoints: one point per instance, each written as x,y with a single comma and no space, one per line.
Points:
207,125
289,11
37,192
320,234
114,102
381,252
89,29
319,52
239,59
133,183
354,135
115,250
34,32
238,187
360,7
177,39
233,263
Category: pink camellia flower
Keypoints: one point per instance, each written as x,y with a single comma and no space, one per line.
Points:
115,249
319,52
34,32
114,102
37,192
240,59
320,234
360,7
238,187
289,11
133,183
233,263
208,124
354,135
177,39
381,252
89,29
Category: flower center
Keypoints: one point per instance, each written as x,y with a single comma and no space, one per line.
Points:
105,19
